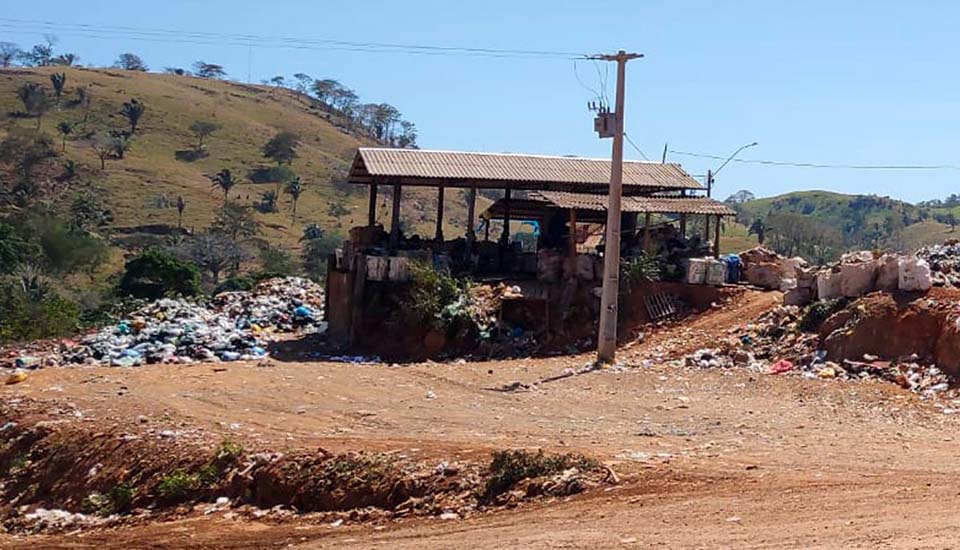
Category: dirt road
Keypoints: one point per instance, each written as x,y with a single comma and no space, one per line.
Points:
706,459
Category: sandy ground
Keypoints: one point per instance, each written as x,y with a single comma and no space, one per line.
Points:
707,459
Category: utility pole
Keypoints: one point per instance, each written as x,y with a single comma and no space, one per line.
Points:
607,341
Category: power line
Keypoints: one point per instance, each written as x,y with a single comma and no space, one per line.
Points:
25,26
634,145
836,166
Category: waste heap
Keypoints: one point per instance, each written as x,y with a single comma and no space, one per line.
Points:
944,260
233,326
776,343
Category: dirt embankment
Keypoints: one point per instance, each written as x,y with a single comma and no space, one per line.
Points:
119,475
896,327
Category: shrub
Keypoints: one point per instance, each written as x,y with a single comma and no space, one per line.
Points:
429,293
818,312
509,467
176,485
276,260
640,269
270,174
234,284
34,311
228,452
155,273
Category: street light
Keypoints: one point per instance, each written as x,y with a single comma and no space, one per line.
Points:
712,173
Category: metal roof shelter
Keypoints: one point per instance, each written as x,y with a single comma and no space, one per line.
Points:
417,167
571,183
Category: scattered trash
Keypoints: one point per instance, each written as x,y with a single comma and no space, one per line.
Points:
17,377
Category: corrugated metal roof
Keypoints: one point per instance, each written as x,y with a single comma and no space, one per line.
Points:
509,167
653,205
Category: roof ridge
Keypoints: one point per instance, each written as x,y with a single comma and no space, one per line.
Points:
491,153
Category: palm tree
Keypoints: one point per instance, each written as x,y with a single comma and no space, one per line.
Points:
59,80
132,110
224,180
65,129
295,188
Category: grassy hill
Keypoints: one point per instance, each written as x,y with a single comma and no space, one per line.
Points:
142,188
847,222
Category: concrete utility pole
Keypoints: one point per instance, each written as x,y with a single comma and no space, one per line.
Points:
607,342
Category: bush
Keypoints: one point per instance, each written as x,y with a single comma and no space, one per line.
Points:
509,467
270,174
31,313
818,312
429,294
176,485
640,269
155,274
234,284
276,260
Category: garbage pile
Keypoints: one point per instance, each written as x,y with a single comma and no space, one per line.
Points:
231,327
775,344
944,261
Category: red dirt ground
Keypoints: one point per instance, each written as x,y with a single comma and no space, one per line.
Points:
706,459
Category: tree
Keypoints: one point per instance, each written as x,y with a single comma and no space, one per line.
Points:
181,206
385,117
175,70
282,148
303,83
225,180
66,59
26,151
84,98
59,80
15,251
102,145
951,220
295,189
132,111
213,252
317,245
740,196
758,228
120,143
208,70
277,81
408,135
41,55
202,129
325,90
268,201
156,273
235,221
65,129
130,62
8,53
89,212
35,100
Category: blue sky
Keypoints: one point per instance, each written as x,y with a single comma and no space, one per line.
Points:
821,82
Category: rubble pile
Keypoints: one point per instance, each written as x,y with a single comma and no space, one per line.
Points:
776,344
232,326
944,261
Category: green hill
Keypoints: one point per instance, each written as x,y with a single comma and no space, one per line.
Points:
823,224
142,188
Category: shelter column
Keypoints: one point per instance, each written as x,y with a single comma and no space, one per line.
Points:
505,236
646,233
706,227
471,215
573,232
683,226
395,218
372,207
439,233
716,240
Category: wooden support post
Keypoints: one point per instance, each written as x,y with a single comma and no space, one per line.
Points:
716,240
439,234
372,207
646,233
486,230
706,227
471,215
683,226
505,236
395,218
573,232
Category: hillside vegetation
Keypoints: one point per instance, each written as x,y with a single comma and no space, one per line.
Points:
821,225
142,188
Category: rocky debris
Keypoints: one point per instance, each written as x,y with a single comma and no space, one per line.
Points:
232,326
944,262
762,267
777,344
